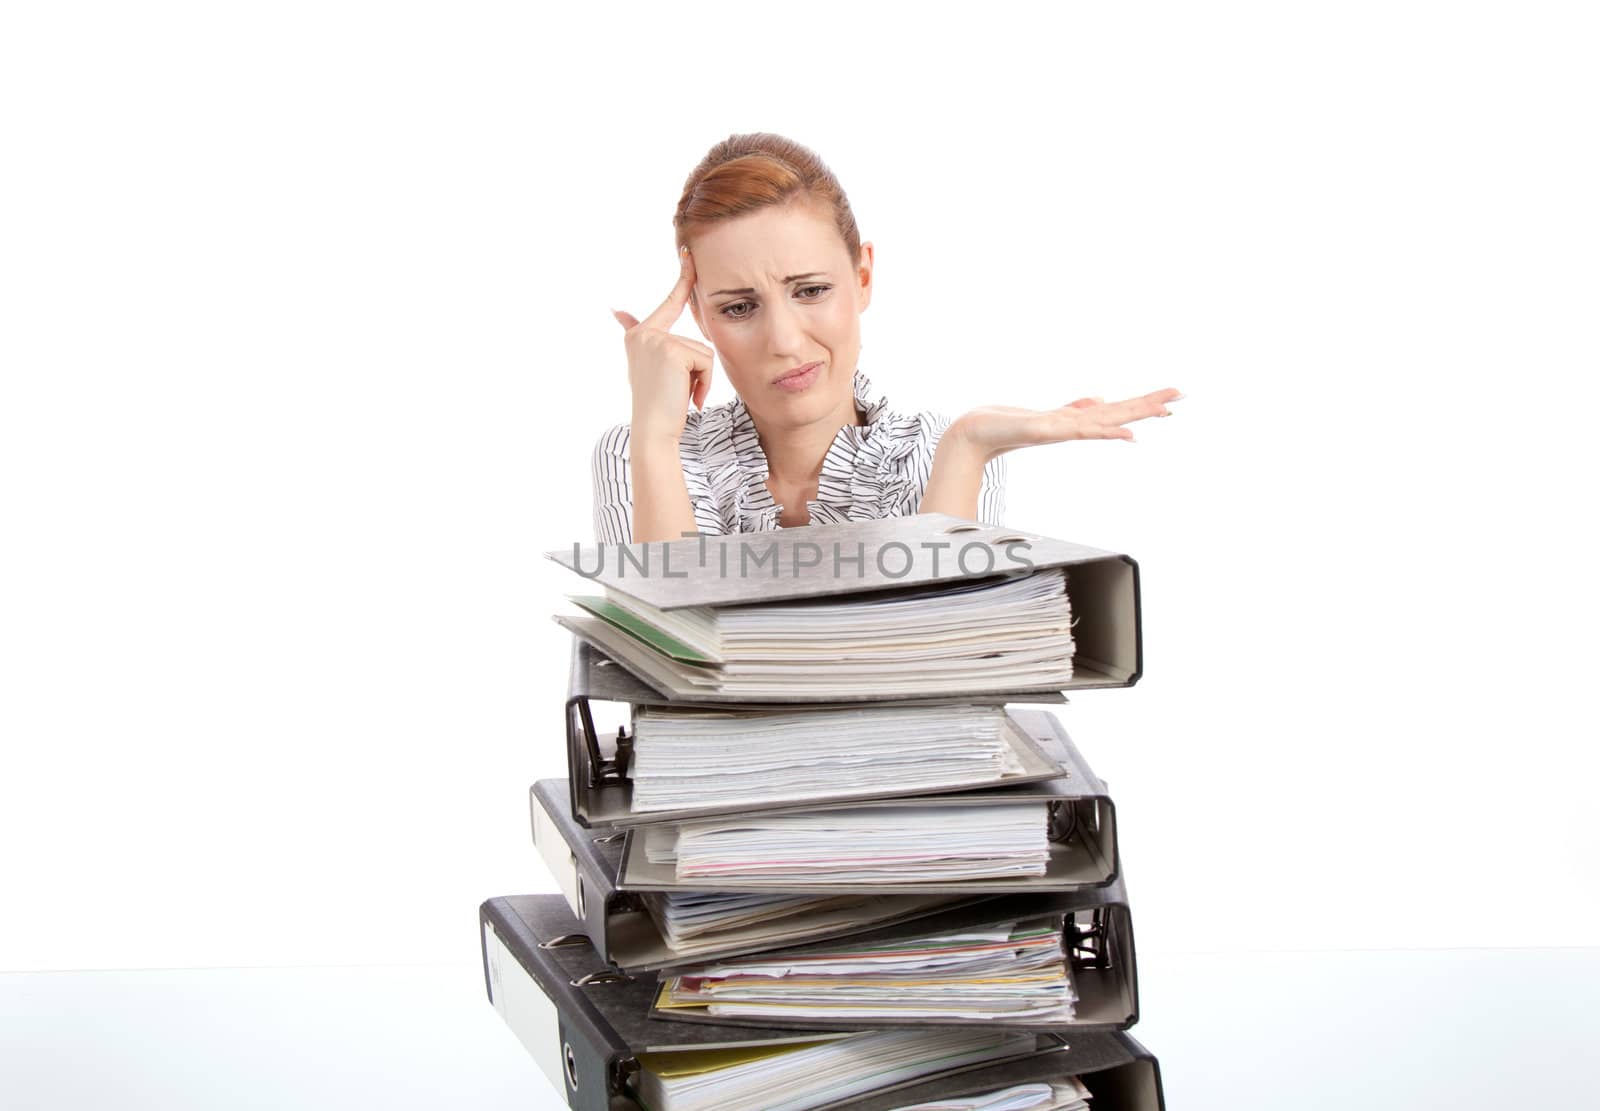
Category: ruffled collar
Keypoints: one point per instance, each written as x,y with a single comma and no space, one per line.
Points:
869,453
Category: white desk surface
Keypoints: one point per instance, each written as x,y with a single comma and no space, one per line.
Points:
1459,1029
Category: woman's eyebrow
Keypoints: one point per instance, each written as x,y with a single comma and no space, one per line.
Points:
786,281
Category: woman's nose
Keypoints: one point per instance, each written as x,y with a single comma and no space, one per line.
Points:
785,333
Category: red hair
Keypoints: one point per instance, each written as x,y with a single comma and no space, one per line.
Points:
751,171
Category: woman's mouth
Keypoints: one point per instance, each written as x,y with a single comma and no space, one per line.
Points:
799,378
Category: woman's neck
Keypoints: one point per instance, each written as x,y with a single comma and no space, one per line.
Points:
795,455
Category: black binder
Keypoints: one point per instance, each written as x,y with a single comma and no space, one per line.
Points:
1102,586
597,765
583,1021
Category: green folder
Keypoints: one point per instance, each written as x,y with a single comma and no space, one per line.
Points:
641,630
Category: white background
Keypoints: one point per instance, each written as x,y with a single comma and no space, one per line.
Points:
305,332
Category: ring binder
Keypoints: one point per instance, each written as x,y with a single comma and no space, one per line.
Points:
1103,588
601,791
1081,815
1120,1073
1098,935
587,1039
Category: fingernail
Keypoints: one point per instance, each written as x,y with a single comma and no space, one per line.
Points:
1178,398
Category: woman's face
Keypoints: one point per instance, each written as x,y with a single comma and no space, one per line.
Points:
775,291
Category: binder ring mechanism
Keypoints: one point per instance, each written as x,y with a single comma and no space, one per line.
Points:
1062,821
1089,944
600,771
604,976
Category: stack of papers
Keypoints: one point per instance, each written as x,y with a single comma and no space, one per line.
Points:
868,845
1058,1095
1014,972
983,636
800,1076
701,921
706,757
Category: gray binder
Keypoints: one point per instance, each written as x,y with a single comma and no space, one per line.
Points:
1097,933
1081,831
584,1023
597,765
1103,586
586,862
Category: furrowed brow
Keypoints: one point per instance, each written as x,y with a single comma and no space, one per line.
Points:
786,281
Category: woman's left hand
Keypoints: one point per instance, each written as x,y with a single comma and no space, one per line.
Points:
996,429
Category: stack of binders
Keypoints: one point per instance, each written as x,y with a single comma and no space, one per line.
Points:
826,864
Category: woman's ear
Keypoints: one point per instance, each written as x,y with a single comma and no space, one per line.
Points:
864,278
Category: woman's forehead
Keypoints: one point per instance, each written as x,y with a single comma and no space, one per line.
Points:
769,245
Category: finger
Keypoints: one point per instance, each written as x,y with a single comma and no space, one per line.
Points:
625,319
1135,408
700,381
701,359
696,346
1090,420
672,307
1161,399
1085,403
1106,431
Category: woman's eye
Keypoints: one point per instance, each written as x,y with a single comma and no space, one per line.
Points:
739,310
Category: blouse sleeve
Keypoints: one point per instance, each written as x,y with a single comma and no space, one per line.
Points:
613,491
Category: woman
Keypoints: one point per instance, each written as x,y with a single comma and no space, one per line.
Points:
773,270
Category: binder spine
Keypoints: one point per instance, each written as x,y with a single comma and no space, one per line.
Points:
1145,1081
1091,817
1099,940
588,1060
584,863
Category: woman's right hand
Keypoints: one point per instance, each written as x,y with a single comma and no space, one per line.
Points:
665,370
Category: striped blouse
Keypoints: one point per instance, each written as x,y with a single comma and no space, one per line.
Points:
879,469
